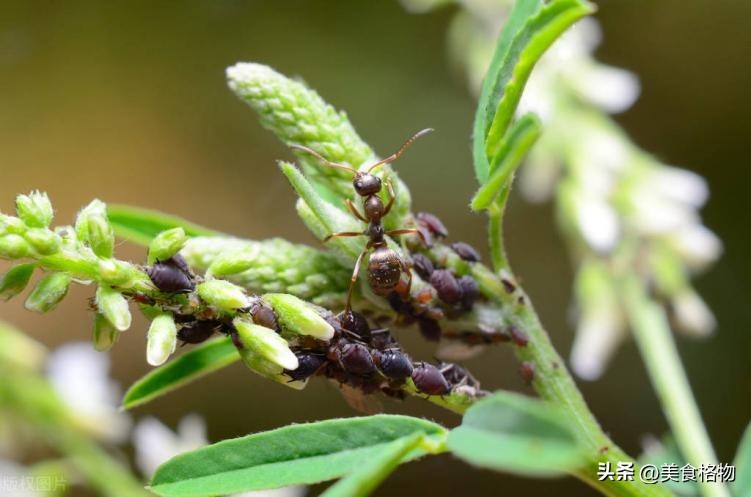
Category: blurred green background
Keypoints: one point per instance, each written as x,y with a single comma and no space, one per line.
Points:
127,102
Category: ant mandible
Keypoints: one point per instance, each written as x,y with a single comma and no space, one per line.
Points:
385,267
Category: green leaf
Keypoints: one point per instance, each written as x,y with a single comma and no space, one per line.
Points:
531,28
516,144
329,216
367,477
742,463
15,280
510,432
202,360
294,455
142,225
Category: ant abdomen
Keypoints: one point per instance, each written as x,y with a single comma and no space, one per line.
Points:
384,270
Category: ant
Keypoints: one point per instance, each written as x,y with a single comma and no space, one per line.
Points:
385,267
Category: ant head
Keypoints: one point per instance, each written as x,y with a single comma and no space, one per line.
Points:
366,184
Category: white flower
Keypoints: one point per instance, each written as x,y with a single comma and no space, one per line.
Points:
692,315
80,375
678,185
597,222
696,245
598,335
155,444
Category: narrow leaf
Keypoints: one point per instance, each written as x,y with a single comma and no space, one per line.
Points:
367,477
516,144
510,432
329,216
202,360
539,32
142,225
532,27
742,463
293,455
492,90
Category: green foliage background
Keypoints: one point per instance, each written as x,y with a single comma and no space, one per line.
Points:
129,103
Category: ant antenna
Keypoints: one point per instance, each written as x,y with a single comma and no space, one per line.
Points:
322,158
399,152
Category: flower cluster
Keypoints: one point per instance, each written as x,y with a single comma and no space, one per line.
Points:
618,206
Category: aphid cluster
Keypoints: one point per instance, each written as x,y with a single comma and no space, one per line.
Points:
370,360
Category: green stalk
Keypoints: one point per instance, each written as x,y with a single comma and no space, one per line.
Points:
655,341
553,382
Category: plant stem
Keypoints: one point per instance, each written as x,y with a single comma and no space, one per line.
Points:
554,383
655,341
495,231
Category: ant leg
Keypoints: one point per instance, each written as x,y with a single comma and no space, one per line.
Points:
408,231
390,189
355,273
407,270
351,207
343,234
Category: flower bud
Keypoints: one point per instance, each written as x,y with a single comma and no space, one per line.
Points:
223,295
162,339
11,224
114,307
233,263
166,244
15,280
105,335
93,227
34,209
48,293
114,272
263,349
297,316
14,247
44,241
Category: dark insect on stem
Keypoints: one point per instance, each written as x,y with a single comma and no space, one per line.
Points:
354,358
309,363
394,364
355,323
385,266
198,331
429,380
446,286
466,251
264,315
172,275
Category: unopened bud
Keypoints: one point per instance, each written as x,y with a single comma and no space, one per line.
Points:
34,209
166,244
114,272
15,280
222,294
162,339
263,349
44,241
105,335
114,307
233,262
11,224
14,247
48,293
297,316
94,228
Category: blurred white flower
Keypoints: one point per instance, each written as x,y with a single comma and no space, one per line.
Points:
598,335
692,316
155,444
597,222
696,245
80,375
